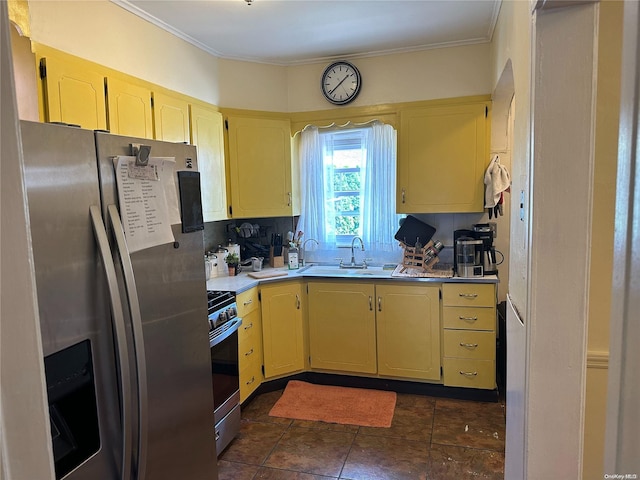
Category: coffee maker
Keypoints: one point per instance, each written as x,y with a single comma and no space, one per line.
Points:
486,233
467,258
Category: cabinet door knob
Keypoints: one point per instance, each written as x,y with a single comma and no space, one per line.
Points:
297,301
370,303
403,195
379,304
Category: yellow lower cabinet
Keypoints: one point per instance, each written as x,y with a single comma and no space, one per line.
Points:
469,335
249,343
282,330
408,332
460,372
342,326
470,344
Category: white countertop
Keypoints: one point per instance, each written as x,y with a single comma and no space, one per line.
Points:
243,281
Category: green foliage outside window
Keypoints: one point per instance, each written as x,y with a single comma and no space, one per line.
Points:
347,225
346,181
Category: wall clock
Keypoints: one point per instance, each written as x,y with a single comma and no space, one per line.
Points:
341,82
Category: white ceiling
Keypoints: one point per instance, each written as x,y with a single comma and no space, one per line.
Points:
290,32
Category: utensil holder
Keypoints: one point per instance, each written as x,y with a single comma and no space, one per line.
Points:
274,261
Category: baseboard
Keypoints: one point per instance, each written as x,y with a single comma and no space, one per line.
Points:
398,386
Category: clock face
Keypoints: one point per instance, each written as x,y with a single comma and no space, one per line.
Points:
341,83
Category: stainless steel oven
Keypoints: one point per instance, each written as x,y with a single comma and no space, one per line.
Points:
223,340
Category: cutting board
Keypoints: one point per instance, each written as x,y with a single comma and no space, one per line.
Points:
412,229
267,274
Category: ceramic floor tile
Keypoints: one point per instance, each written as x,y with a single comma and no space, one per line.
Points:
412,419
236,471
254,443
258,409
338,427
319,452
474,434
459,463
386,458
466,409
469,424
266,473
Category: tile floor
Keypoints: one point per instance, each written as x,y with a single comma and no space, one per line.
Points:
430,439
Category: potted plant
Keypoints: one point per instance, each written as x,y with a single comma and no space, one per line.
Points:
232,263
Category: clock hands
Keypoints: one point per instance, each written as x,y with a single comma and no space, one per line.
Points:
339,83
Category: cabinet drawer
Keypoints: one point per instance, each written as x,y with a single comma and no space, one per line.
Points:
469,294
470,344
249,331
247,352
250,379
460,372
247,301
469,318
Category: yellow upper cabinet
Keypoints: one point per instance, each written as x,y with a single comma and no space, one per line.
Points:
171,117
442,157
129,109
260,167
73,93
207,134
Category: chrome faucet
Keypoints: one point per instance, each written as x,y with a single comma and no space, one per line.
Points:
353,257
302,250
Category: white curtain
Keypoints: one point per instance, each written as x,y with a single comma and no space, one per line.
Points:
313,215
380,221
378,180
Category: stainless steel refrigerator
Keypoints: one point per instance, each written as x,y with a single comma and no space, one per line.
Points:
125,335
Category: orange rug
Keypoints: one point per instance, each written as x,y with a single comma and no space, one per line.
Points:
352,406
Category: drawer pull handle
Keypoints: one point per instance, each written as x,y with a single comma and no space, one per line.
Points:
470,319
251,351
253,379
248,302
249,326
469,345
469,374
468,295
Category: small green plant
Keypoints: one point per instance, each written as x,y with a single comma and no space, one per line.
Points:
232,259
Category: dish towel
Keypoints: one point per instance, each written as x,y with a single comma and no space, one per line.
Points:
497,180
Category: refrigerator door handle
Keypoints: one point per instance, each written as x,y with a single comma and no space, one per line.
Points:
121,341
138,338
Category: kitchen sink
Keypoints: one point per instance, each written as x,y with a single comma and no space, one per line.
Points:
336,271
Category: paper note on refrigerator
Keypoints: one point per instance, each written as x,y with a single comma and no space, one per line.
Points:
145,195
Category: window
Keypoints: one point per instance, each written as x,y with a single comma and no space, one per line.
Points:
348,186
344,157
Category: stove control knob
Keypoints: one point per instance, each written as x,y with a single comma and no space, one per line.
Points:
211,326
232,312
222,318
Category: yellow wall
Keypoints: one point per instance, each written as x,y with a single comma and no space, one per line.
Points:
104,33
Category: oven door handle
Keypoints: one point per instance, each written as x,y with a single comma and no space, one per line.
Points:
231,327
